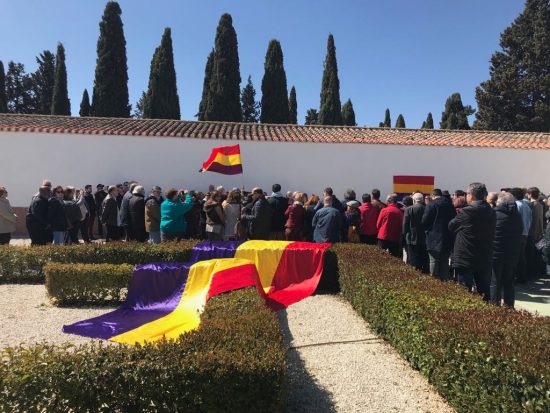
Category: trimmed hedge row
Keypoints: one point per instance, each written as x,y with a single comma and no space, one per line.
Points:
25,264
85,284
234,362
480,357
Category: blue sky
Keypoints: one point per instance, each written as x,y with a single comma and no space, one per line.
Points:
406,55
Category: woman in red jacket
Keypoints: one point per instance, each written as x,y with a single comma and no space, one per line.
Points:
295,214
390,225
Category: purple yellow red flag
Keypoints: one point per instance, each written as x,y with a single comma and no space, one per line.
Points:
225,160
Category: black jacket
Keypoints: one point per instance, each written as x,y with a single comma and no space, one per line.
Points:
278,208
136,212
436,219
73,214
474,227
509,227
259,220
90,203
413,230
109,214
57,217
37,215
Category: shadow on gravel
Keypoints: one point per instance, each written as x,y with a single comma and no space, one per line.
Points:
304,395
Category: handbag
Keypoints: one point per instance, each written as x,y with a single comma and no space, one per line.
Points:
542,244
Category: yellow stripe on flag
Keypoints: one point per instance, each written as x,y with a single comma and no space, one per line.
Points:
410,188
227,160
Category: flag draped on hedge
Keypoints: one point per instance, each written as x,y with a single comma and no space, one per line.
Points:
225,160
166,299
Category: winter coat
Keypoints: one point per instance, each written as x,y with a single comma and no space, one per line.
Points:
232,214
152,214
57,217
536,230
259,219
124,213
435,221
475,231
279,205
508,230
7,217
369,215
295,216
73,213
214,213
172,214
390,223
327,225
90,203
37,219
110,212
136,212
336,204
413,230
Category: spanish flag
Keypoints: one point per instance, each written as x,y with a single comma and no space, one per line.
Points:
224,160
404,185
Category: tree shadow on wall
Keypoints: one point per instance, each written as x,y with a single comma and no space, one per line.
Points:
304,394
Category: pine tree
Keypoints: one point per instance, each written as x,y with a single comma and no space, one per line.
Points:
348,114
140,105
387,120
516,97
61,105
20,91
110,95
162,100
250,108
330,108
429,122
400,123
206,86
456,114
292,107
3,98
44,82
85,104
312,117
274,89
224,103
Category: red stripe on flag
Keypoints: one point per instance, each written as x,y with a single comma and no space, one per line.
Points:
232,279
225,150
418,180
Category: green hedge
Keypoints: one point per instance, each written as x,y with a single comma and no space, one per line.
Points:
481,358
235,362
84,284
25,264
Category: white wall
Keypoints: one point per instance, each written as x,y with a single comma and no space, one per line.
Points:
27,158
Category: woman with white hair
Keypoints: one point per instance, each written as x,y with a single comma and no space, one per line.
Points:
7,218
136,212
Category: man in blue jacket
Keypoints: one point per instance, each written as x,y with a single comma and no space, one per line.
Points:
327,223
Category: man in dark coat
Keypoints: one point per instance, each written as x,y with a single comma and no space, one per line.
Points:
259,218
415,237
506,249
99,196
327,222
37,217
110,215
437,215
475,231
125,221
278,203
136,213
92,210
335,201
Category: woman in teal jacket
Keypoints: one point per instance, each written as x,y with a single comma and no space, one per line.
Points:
172,219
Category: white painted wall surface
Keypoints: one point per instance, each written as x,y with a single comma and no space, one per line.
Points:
27,158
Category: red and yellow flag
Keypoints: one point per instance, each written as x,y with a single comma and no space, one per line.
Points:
225,160
406,184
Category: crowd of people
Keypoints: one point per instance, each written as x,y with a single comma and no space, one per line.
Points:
485,241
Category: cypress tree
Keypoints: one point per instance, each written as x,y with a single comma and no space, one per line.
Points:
516,97
429,122
387,120
275,106
348,114
61,105
330,108
3,97
224,103
140,105
162,100
44,82
400,123
311,117
20,91
456,114
110,95
85,104
250,108
206,86
292,107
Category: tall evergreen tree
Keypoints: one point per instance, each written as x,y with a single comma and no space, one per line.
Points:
85,104
20,91
206,86
387,120
311,117
292,107
517,95
250,108
140,105
348,114
330,109
429,122
162,100
456,114
110,95
61,105
44,82
274,89
3,98
400,123
224,103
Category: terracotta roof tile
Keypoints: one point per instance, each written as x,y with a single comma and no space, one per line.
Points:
272,133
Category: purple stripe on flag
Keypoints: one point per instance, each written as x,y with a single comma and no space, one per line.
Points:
209,250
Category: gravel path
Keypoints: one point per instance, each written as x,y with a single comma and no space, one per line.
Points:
26,317
365,374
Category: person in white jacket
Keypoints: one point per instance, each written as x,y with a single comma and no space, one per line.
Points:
7,218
